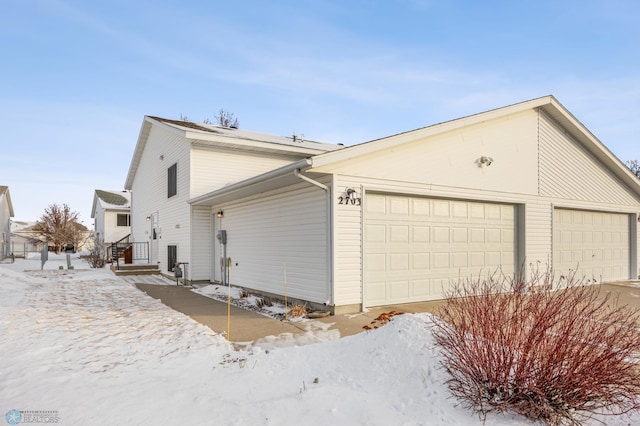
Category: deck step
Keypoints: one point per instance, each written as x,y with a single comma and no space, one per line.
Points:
133,269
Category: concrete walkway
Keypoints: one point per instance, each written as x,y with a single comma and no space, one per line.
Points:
248,327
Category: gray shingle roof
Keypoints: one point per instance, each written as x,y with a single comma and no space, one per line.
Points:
112,198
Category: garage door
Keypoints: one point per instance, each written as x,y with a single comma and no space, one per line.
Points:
415,248
595,243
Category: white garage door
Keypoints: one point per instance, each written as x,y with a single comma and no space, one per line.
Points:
414,248
595,243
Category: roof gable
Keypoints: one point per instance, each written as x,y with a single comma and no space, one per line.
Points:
330,161
120,200
226,138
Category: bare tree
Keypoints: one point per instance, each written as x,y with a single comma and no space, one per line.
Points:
226,119
634,166
60,226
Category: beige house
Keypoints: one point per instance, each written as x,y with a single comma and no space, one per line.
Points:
399,219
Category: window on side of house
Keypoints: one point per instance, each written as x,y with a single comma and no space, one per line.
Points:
172,257
124,219
172,180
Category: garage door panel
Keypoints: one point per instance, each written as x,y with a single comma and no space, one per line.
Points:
377,290
376,262
459,235
459,260
596,244
441,260
398,262
399,206
420,261
399,289
399,233
477,235
420,234
478,259
432,245
421,288
376,233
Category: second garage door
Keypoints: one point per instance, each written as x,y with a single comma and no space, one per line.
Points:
415,248
595,243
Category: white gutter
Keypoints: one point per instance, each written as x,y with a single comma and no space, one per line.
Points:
329,250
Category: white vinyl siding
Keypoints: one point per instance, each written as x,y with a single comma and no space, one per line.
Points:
347,243
568,171
595,244
200,267
415,248
285,231
214,169
111,231
537,229
171,216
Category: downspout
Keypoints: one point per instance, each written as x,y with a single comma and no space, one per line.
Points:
327,190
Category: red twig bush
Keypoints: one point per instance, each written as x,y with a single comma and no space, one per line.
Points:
555,352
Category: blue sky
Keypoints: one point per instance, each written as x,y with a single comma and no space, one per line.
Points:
77,77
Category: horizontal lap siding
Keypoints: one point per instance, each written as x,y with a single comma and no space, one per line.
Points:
201,239
568,171
149,195
538,243
283,230
347,245
214,169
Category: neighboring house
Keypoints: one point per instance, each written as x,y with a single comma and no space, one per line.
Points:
111,214
6,213
175,161
400,219
24,239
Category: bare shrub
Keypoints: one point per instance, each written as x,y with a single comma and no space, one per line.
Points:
97,257
556,356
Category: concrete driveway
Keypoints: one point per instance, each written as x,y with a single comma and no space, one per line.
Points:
245,327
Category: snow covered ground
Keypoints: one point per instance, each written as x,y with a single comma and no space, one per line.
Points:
84,347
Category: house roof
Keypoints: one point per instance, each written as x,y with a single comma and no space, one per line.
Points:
4,190
226,138
322,163
111,200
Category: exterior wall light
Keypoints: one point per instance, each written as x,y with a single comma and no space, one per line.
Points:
220,214
487,161
148,218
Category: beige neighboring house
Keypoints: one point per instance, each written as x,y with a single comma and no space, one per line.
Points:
394,220
24,240
111,212
6,213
